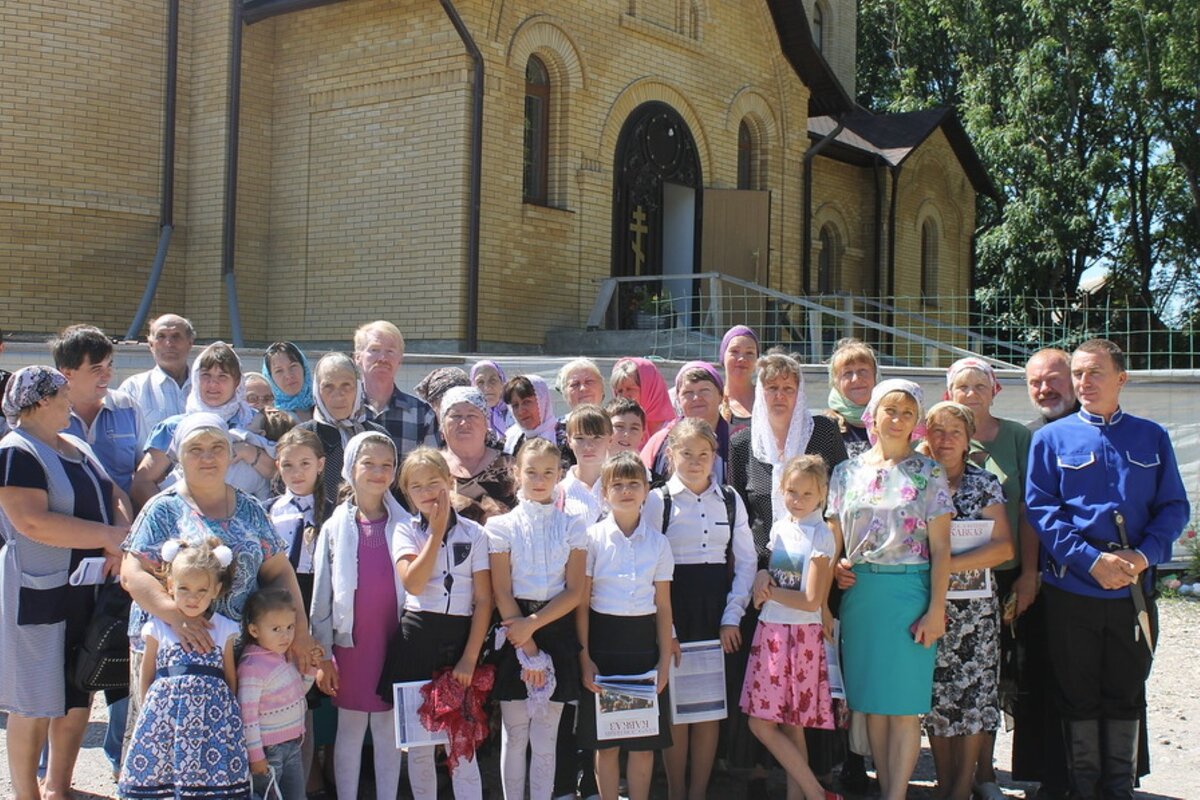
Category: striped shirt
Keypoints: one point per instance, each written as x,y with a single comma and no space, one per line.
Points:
271,694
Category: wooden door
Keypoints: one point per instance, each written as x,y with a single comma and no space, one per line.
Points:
736,241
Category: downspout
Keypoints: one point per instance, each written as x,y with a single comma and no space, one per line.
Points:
166,209
877,168
806,256
471,344
233,113
891,267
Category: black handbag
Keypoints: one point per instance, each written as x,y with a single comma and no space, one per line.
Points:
101,661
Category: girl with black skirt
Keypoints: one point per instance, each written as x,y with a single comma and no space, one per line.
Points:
708,529
442,559
538,555
625,625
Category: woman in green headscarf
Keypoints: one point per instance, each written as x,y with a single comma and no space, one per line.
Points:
853,373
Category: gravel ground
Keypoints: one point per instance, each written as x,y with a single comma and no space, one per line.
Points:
1174,712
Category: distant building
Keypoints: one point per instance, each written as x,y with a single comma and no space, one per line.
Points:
631,137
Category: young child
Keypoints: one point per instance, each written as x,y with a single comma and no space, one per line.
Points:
787,679
442,558
271,694
188,740
589,434
713,549
538,556
297,516
357,597
629,426
625,625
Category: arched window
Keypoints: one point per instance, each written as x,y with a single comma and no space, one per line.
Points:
929,262
537,132
818,26
828,261
745,162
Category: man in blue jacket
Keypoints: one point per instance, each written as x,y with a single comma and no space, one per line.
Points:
1105,495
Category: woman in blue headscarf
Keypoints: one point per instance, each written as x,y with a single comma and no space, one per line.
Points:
286,370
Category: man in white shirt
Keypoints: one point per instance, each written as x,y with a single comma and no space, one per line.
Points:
161,392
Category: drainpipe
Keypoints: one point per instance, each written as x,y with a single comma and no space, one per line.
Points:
877,168
233,114
166,209
471,344
806,256
891,266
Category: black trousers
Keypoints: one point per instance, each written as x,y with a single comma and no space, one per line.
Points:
1100,664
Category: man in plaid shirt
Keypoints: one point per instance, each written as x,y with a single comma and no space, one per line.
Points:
379,352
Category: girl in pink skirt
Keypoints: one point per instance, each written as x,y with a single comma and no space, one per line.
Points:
787,680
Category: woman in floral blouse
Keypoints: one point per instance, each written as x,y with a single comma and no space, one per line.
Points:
966,695
890,509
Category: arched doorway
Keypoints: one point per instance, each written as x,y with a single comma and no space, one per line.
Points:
657,193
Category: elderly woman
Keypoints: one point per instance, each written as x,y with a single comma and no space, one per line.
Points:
639,380
285,368
216,388
853,373
890,508
781,428
737,355
698,390
580,382
59,507
966,694
488,377
202,504
340,413
483,476
437,383
1005,445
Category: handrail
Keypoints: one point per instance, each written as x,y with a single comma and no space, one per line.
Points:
608,286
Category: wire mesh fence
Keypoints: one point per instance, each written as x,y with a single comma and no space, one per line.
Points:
681,316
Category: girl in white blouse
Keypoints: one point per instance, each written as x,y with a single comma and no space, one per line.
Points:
442,559
538,555
589,434
713,549
625,625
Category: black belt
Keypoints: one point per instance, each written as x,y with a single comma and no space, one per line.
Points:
178,670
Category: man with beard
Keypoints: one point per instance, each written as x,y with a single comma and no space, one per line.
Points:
1048,378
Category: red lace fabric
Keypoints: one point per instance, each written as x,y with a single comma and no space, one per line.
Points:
458,710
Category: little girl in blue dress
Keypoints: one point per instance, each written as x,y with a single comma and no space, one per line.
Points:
188,741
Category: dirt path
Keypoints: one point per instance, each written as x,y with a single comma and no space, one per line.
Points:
1174,694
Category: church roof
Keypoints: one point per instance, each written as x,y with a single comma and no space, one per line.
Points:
894,137
827,95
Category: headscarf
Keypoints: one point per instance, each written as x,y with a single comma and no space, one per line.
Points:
301,400
351,425
355,445
722,427
765,447
884,388
235,411
498,416
964,364
438,382
851,412
464,394
704,365
190,424
27,387
654,399
546,429
730,335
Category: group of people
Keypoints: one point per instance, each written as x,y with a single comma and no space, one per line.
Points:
298,541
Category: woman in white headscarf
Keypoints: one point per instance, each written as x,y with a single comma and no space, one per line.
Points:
340,413
217,388
781,427
528,397
890,511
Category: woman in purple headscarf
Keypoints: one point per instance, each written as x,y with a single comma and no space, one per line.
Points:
488,377
698,393
737,356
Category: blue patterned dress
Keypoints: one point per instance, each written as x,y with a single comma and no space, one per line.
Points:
188,741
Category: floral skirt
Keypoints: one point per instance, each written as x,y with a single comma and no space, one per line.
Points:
787,678
966,678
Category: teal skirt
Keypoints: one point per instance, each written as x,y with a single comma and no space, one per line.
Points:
884,670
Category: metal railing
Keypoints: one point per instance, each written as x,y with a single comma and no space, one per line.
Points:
678,314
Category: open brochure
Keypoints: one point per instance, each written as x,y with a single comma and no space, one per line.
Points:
627,706
966,535
410,732
698,683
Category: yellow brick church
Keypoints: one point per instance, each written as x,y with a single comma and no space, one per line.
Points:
470,169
